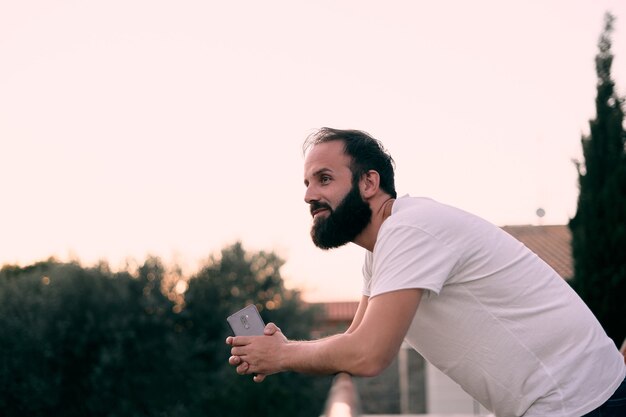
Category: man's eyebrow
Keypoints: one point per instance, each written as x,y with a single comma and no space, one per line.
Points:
322,171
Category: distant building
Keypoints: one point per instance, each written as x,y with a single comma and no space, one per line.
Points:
430,390
553,244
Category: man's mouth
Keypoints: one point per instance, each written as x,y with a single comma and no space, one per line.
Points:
315,212
318,208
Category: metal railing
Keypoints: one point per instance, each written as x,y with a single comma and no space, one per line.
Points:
343,400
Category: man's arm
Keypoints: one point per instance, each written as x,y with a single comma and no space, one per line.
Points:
366,349
358,316
271,328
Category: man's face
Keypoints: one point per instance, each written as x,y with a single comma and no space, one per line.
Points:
339,212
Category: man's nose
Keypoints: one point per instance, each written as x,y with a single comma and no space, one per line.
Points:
310,195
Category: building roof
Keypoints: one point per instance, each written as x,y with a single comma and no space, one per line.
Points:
551,243
339,311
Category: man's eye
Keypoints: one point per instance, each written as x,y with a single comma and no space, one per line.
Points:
325,179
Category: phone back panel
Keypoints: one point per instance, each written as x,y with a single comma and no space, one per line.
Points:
246,322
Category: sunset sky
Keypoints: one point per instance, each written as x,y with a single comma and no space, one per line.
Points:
130,128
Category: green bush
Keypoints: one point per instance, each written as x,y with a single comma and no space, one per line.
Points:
78,341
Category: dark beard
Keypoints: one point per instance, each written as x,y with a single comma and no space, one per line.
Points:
344,223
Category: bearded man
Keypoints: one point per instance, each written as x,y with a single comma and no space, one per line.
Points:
471,299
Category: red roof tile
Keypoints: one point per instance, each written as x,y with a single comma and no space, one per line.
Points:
340,310
550,243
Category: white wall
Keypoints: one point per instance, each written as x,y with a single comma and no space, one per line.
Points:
443,395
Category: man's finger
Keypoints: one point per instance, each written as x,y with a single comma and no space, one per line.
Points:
243,368
258,378
239,340
270,329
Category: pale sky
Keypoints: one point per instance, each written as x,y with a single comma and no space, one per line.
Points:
174,128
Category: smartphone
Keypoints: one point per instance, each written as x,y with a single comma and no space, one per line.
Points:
246,322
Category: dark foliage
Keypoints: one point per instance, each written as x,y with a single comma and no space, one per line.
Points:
599,227
78,341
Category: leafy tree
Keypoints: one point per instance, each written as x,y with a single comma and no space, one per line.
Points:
599,226
80,341
223,286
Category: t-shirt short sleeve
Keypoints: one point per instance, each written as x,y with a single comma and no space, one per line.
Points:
407,257
367,274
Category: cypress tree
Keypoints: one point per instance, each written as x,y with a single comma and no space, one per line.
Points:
599,226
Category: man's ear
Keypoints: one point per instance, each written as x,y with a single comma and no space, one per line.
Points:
369,184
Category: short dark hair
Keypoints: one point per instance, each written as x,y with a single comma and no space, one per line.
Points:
365,151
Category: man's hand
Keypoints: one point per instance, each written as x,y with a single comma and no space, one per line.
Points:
257,354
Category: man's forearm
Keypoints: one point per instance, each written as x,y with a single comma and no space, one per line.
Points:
338,353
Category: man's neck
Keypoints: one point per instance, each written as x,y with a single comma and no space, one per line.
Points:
381,210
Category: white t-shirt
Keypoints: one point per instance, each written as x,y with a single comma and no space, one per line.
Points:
494,317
